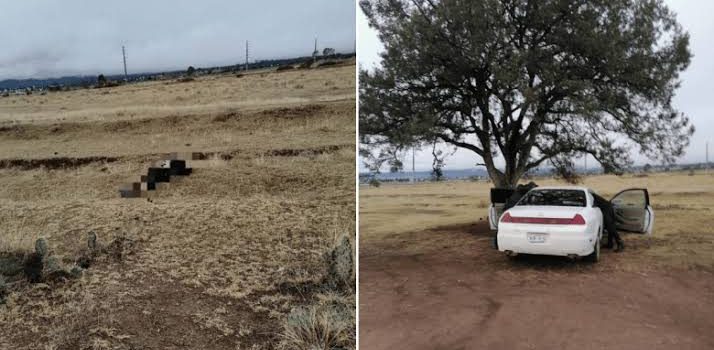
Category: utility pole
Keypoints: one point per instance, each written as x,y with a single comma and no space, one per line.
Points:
413,172
586,163
246,54
123,54
314,53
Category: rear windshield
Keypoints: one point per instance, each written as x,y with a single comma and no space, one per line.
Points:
563,198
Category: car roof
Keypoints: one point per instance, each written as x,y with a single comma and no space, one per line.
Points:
580,188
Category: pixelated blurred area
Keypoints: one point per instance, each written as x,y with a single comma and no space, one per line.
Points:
160,172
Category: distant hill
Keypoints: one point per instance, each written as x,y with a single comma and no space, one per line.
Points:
75,81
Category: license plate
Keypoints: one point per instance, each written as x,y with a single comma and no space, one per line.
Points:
537,237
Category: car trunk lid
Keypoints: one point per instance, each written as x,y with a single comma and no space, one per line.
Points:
537,211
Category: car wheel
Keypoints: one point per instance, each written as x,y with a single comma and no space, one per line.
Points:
595,255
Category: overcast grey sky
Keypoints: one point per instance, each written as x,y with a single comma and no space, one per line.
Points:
694,98
50,38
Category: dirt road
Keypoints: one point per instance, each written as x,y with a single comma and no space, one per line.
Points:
446,288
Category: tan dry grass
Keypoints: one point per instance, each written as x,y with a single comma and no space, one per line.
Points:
320,327
225,238
684,207
204,131
212,94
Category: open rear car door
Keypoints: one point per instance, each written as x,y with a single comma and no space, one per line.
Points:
499,197
633,212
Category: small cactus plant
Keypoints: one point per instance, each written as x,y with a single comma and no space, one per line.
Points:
3,289
86,258
92,241
34,262
340,264
52,264
76,272
41,247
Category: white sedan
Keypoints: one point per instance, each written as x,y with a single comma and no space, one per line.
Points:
564,221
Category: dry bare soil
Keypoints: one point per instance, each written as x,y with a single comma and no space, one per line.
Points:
429,278
216,260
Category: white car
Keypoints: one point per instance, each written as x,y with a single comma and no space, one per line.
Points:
564,221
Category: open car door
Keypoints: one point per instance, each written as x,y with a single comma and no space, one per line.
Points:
633,212
499,197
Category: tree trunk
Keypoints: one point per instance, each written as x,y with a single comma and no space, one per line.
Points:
503,180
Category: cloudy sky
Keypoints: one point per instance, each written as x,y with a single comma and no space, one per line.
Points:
693,98
50,38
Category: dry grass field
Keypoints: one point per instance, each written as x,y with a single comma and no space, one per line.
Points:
427,247
683,205
231,257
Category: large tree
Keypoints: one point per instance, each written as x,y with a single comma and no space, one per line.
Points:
528,81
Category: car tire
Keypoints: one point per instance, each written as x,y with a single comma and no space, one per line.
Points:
595,255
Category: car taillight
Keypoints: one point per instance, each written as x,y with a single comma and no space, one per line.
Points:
507,218
575,220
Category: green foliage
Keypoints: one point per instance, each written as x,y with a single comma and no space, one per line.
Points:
395,165
328,51
374,163
437,174
190,71
527,81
